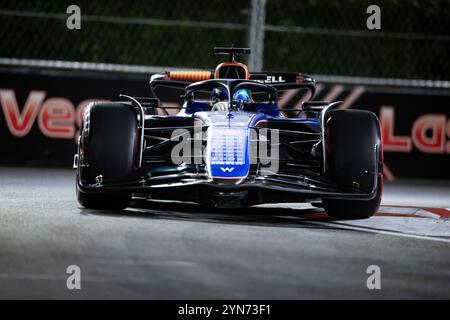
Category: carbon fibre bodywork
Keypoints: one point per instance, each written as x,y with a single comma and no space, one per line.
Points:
301,175
245,154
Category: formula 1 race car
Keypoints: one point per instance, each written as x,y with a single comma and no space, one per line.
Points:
230,144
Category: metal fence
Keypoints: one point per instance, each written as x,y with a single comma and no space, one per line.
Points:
312,36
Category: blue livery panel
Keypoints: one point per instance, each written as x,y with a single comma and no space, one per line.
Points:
229,153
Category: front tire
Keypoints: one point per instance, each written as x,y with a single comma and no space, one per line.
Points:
352,138
108,148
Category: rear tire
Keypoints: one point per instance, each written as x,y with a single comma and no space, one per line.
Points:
352,136
108,148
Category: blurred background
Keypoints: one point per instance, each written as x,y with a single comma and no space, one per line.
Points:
312,36
401,72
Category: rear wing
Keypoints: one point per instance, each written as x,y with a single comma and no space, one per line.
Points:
278,80
265,77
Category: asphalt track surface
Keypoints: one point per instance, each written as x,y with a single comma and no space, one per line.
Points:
182,251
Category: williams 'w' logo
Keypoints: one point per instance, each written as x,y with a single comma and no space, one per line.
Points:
227,169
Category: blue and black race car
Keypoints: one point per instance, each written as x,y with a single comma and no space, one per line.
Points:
230,144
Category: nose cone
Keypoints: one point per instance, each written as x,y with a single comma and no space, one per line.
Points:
228,151
228,144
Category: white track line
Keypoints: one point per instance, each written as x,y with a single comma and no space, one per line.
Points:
50,277
391,233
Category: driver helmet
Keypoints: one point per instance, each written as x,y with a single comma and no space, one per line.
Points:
242,95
